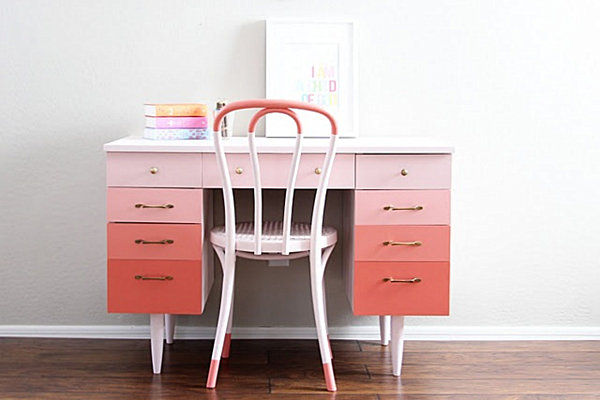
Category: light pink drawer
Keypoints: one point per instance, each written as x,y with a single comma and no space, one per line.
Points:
154,169
155,241
402,243
154,205
275,169
402,207
403,171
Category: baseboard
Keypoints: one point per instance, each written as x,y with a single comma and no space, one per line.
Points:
345,333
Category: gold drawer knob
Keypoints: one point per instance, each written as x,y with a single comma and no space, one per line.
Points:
154,278
392,243
393,280
318,171
153,170
404,172
239,171
165,241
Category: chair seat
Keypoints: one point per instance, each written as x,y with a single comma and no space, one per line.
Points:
272,237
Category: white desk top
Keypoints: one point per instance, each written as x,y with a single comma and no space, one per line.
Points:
366,145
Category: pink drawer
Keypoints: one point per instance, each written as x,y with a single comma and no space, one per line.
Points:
427,291
155,241
401,243
154,205
403,171
154,169
154,287
275,169
402,207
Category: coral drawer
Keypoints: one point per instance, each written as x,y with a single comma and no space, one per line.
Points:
401,288
274,171
154,169
149,286
402,207
403,171
154,205
155,241
402,243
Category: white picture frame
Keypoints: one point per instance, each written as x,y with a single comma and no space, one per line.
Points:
314,62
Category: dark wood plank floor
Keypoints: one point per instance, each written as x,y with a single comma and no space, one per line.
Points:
282,370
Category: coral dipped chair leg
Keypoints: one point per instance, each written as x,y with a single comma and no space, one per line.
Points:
227,344
317,270
223,321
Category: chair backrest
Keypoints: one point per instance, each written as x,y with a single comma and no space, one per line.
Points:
266,107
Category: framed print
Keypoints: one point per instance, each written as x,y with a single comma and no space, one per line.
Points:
313,62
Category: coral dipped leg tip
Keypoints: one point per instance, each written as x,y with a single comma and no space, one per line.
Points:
226,345
329,378
211,382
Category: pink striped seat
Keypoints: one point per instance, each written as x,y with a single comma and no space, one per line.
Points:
272,237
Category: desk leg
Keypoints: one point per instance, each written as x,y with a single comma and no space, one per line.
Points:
384,329
170,327
157,338
397,343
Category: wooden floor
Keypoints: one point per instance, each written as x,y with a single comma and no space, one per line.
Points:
282,370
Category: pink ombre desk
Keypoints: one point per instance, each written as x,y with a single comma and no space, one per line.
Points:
395,239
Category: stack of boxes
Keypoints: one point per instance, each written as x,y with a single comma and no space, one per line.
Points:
176,121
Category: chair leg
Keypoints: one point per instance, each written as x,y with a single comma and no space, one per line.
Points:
397,343
157,330
324,258
170,327
384,329
227,344
224,311
316,279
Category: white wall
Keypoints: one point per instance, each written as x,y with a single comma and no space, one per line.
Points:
513,85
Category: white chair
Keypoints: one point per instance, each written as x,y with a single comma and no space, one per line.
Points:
273,239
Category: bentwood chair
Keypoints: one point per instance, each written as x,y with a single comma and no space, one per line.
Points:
268,240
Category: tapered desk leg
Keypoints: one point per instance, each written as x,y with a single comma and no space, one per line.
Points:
157,338
384,329
397,343
170,327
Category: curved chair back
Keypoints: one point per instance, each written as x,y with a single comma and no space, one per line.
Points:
265,107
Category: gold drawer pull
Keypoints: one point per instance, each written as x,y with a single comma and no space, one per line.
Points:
153,170
392,208
392,243
141,205
404,172
239,171
165,241
154,278
392,280
318,171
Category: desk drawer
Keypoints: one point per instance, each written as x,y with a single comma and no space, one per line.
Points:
154,169
180,291
402,243
155,241
275,169
403,171
374,295
404,207
154,205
